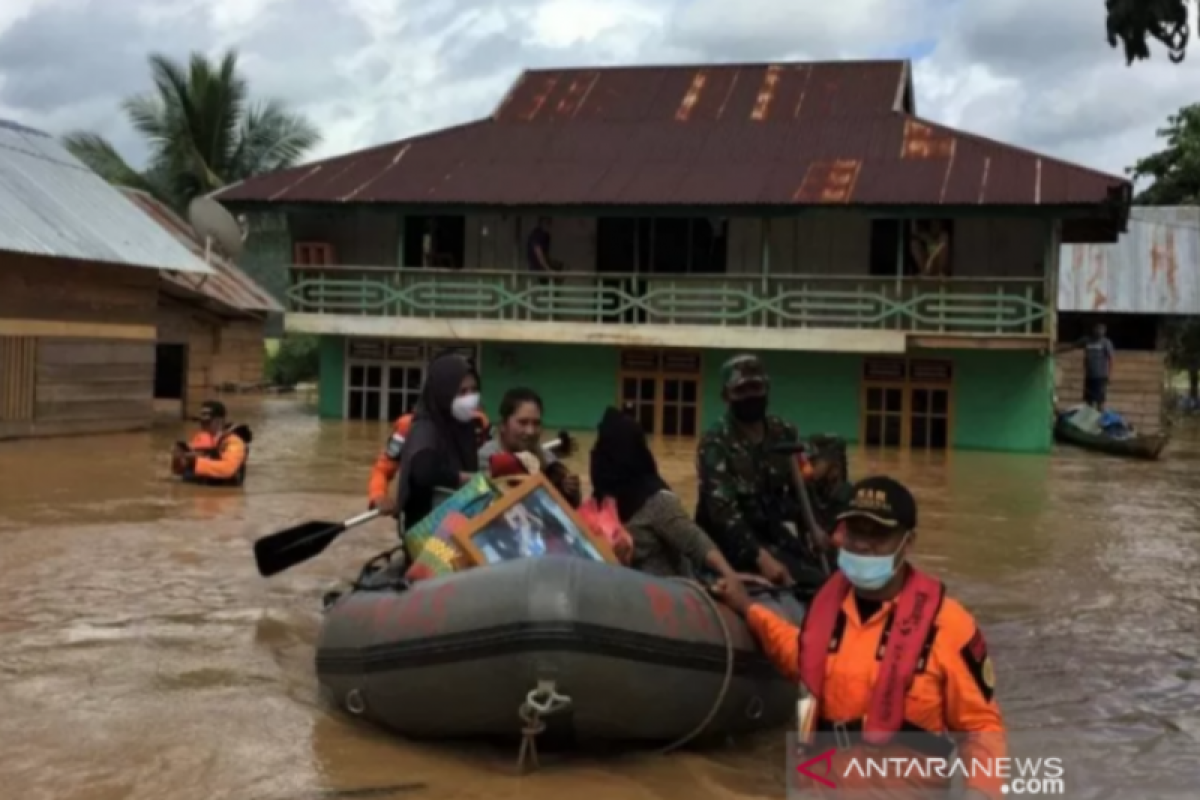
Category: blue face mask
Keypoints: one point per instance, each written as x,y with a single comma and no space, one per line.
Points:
869,572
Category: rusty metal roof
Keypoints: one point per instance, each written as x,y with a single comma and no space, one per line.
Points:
768,134
230,286
51,204
1153,269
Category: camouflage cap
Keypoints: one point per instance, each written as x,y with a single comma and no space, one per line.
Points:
741,370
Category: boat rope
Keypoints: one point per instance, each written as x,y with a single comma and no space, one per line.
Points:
541,702
725,683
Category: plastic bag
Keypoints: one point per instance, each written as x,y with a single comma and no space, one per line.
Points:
604,522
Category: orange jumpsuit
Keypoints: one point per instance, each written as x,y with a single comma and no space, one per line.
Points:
952,694
220,459
387,463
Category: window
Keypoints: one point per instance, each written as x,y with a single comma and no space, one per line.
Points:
662,387
365,391
907,403
312,253
384,377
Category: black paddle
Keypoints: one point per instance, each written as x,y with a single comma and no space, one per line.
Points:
297,544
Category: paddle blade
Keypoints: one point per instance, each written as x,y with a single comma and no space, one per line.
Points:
285,549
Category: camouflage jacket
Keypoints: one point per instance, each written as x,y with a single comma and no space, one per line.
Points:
746,490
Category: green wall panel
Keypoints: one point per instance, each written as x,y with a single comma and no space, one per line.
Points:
1002,401
331,385
576,382
817,392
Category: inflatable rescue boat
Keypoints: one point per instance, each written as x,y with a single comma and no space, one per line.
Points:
588,649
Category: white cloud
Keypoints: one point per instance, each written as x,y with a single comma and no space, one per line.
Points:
1034,73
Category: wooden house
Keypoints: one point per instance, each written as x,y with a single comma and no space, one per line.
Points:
80,278
210,327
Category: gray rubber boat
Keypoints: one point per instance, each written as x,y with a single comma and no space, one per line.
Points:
600,652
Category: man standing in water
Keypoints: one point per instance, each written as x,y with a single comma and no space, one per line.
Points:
748,502
897,671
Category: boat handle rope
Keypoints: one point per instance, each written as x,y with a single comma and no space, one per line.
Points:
725,683
543,701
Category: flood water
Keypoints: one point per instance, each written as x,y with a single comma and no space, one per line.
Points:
141,655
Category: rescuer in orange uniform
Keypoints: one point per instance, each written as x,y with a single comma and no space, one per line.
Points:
217,453
387,463
895,668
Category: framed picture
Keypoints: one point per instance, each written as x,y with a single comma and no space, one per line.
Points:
531,519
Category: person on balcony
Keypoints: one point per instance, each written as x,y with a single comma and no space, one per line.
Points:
930,247
748,500
537,248
520,434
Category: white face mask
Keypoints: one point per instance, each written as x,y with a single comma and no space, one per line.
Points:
465,406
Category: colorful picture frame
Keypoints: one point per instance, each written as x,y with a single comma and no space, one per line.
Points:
531,519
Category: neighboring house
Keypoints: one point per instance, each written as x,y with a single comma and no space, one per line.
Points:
80,268
897,275
210,327
1136,287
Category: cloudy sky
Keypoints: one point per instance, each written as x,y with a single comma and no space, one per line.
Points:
1032,72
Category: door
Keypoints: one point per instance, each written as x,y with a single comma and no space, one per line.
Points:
907,403
403,389
662,390
170,371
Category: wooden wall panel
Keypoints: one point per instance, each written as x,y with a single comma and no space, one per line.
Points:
95,385
18,377
37,288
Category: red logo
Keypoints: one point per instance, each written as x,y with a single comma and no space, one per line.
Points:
808,768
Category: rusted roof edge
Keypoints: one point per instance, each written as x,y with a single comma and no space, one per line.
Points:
985,140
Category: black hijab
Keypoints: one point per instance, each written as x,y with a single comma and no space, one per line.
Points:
622,465
434,426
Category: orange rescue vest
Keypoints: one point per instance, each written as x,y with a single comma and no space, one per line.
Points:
905,646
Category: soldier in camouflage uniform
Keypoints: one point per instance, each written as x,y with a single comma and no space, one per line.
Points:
748,502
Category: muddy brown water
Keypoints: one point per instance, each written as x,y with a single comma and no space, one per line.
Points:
141,656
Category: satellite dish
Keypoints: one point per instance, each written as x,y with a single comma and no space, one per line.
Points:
216,227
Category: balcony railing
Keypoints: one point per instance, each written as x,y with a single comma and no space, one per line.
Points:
1000,306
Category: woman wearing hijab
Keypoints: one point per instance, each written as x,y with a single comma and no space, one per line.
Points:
666,541
441,450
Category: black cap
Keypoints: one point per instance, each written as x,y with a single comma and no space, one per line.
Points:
212,408
883,500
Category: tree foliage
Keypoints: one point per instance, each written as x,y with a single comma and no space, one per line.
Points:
202,130
297,360
1174,171
1133,23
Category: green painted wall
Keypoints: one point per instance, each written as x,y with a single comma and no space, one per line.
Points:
1002,401
1001,398
265,258
576,382
819,392
331,383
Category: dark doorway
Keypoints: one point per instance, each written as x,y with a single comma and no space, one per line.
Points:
170,371
446,245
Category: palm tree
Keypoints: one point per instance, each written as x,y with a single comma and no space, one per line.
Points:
202,130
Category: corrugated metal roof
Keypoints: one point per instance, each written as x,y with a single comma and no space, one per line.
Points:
229,286
1154,268
53,205
769,134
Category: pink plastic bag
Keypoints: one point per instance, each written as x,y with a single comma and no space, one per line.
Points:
604,522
